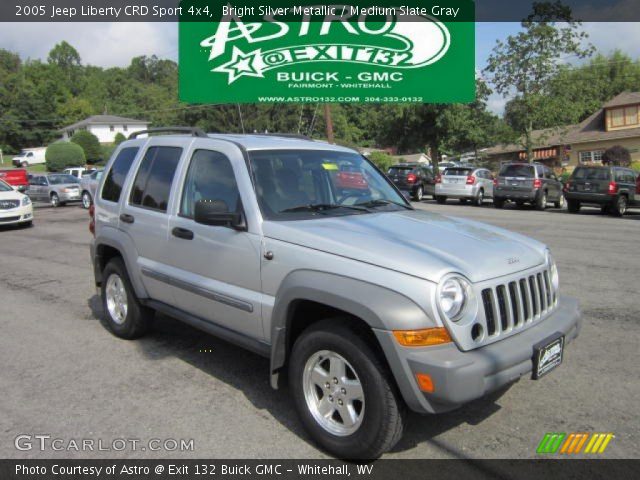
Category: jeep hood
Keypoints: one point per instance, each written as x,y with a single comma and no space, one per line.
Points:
419,243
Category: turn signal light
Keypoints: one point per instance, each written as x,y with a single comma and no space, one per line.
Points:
422,338
425,383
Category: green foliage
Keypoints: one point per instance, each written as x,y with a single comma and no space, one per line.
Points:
90,144
107,151
119,138
616,155
635,166
62,155
527,62
382,160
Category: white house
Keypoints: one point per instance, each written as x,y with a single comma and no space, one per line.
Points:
413,158
106,127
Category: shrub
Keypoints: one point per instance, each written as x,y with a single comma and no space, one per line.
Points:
62,155
636,166
90,144
107,151
119,138
616,155
382,160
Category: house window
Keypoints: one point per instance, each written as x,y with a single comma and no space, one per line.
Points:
593,156
617,117
112,128
631,115
622,117
125,128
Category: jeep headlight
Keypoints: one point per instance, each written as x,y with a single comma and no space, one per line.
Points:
553,272
453,296
25,201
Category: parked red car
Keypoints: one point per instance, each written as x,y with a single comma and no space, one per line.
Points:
16,177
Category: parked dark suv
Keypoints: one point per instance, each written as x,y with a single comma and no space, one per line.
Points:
531,183
613,189
414,178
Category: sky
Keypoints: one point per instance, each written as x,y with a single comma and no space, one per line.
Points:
115,44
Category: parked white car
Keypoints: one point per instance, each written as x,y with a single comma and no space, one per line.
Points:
78,172
15,207
29,157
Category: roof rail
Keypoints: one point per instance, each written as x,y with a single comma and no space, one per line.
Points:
285,135
194,131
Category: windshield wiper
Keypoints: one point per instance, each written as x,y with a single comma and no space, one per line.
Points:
319,207
381,202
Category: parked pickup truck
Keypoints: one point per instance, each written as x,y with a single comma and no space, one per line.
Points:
16,177
368,306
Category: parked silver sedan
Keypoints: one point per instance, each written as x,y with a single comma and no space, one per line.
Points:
88,186
464,183
55,188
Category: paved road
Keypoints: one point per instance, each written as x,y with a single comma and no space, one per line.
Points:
63,374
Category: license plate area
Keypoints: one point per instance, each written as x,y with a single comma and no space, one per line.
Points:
547,355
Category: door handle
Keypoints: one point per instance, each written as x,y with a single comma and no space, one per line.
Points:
126,218
182,233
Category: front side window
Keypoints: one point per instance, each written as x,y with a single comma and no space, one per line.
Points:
210,177
118,173
153,181
302,184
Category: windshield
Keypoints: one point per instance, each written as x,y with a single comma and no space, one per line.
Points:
5,187
582,173
298,184
60,179
517,171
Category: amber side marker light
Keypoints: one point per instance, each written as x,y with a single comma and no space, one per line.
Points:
422,338
425,383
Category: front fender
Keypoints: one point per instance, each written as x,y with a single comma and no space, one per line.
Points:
380,307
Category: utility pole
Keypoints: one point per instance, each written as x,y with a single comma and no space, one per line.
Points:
329,122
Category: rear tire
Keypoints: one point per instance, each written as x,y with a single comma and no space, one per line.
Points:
479,200
125,316
440,199
498,202
418,195
86,200
619,207
330,346
463,201
541,201
605,209
573,206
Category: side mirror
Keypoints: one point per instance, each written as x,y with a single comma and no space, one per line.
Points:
216,213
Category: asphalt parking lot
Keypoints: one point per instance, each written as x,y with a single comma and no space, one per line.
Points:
64,375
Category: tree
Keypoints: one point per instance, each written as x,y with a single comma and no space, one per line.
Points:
526,62
616,155
62,155
382,160
90,145
119,138
64,56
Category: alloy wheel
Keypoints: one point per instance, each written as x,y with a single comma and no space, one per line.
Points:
116,294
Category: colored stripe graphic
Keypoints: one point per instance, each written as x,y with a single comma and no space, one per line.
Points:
551,442
598,442
574,442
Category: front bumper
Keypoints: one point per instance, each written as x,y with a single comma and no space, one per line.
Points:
16,215
459,377
70,197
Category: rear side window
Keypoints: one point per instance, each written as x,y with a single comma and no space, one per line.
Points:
526,171
154,178
118,173
399,170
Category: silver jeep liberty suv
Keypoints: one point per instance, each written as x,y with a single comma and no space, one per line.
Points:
304,252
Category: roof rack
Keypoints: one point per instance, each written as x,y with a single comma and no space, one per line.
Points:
285,135
194,131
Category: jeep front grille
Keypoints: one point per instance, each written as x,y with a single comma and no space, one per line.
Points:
511,306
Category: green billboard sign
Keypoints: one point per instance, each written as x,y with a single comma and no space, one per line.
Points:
245,52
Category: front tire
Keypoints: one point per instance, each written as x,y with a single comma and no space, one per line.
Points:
125,316
54,200
344,393
24,164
